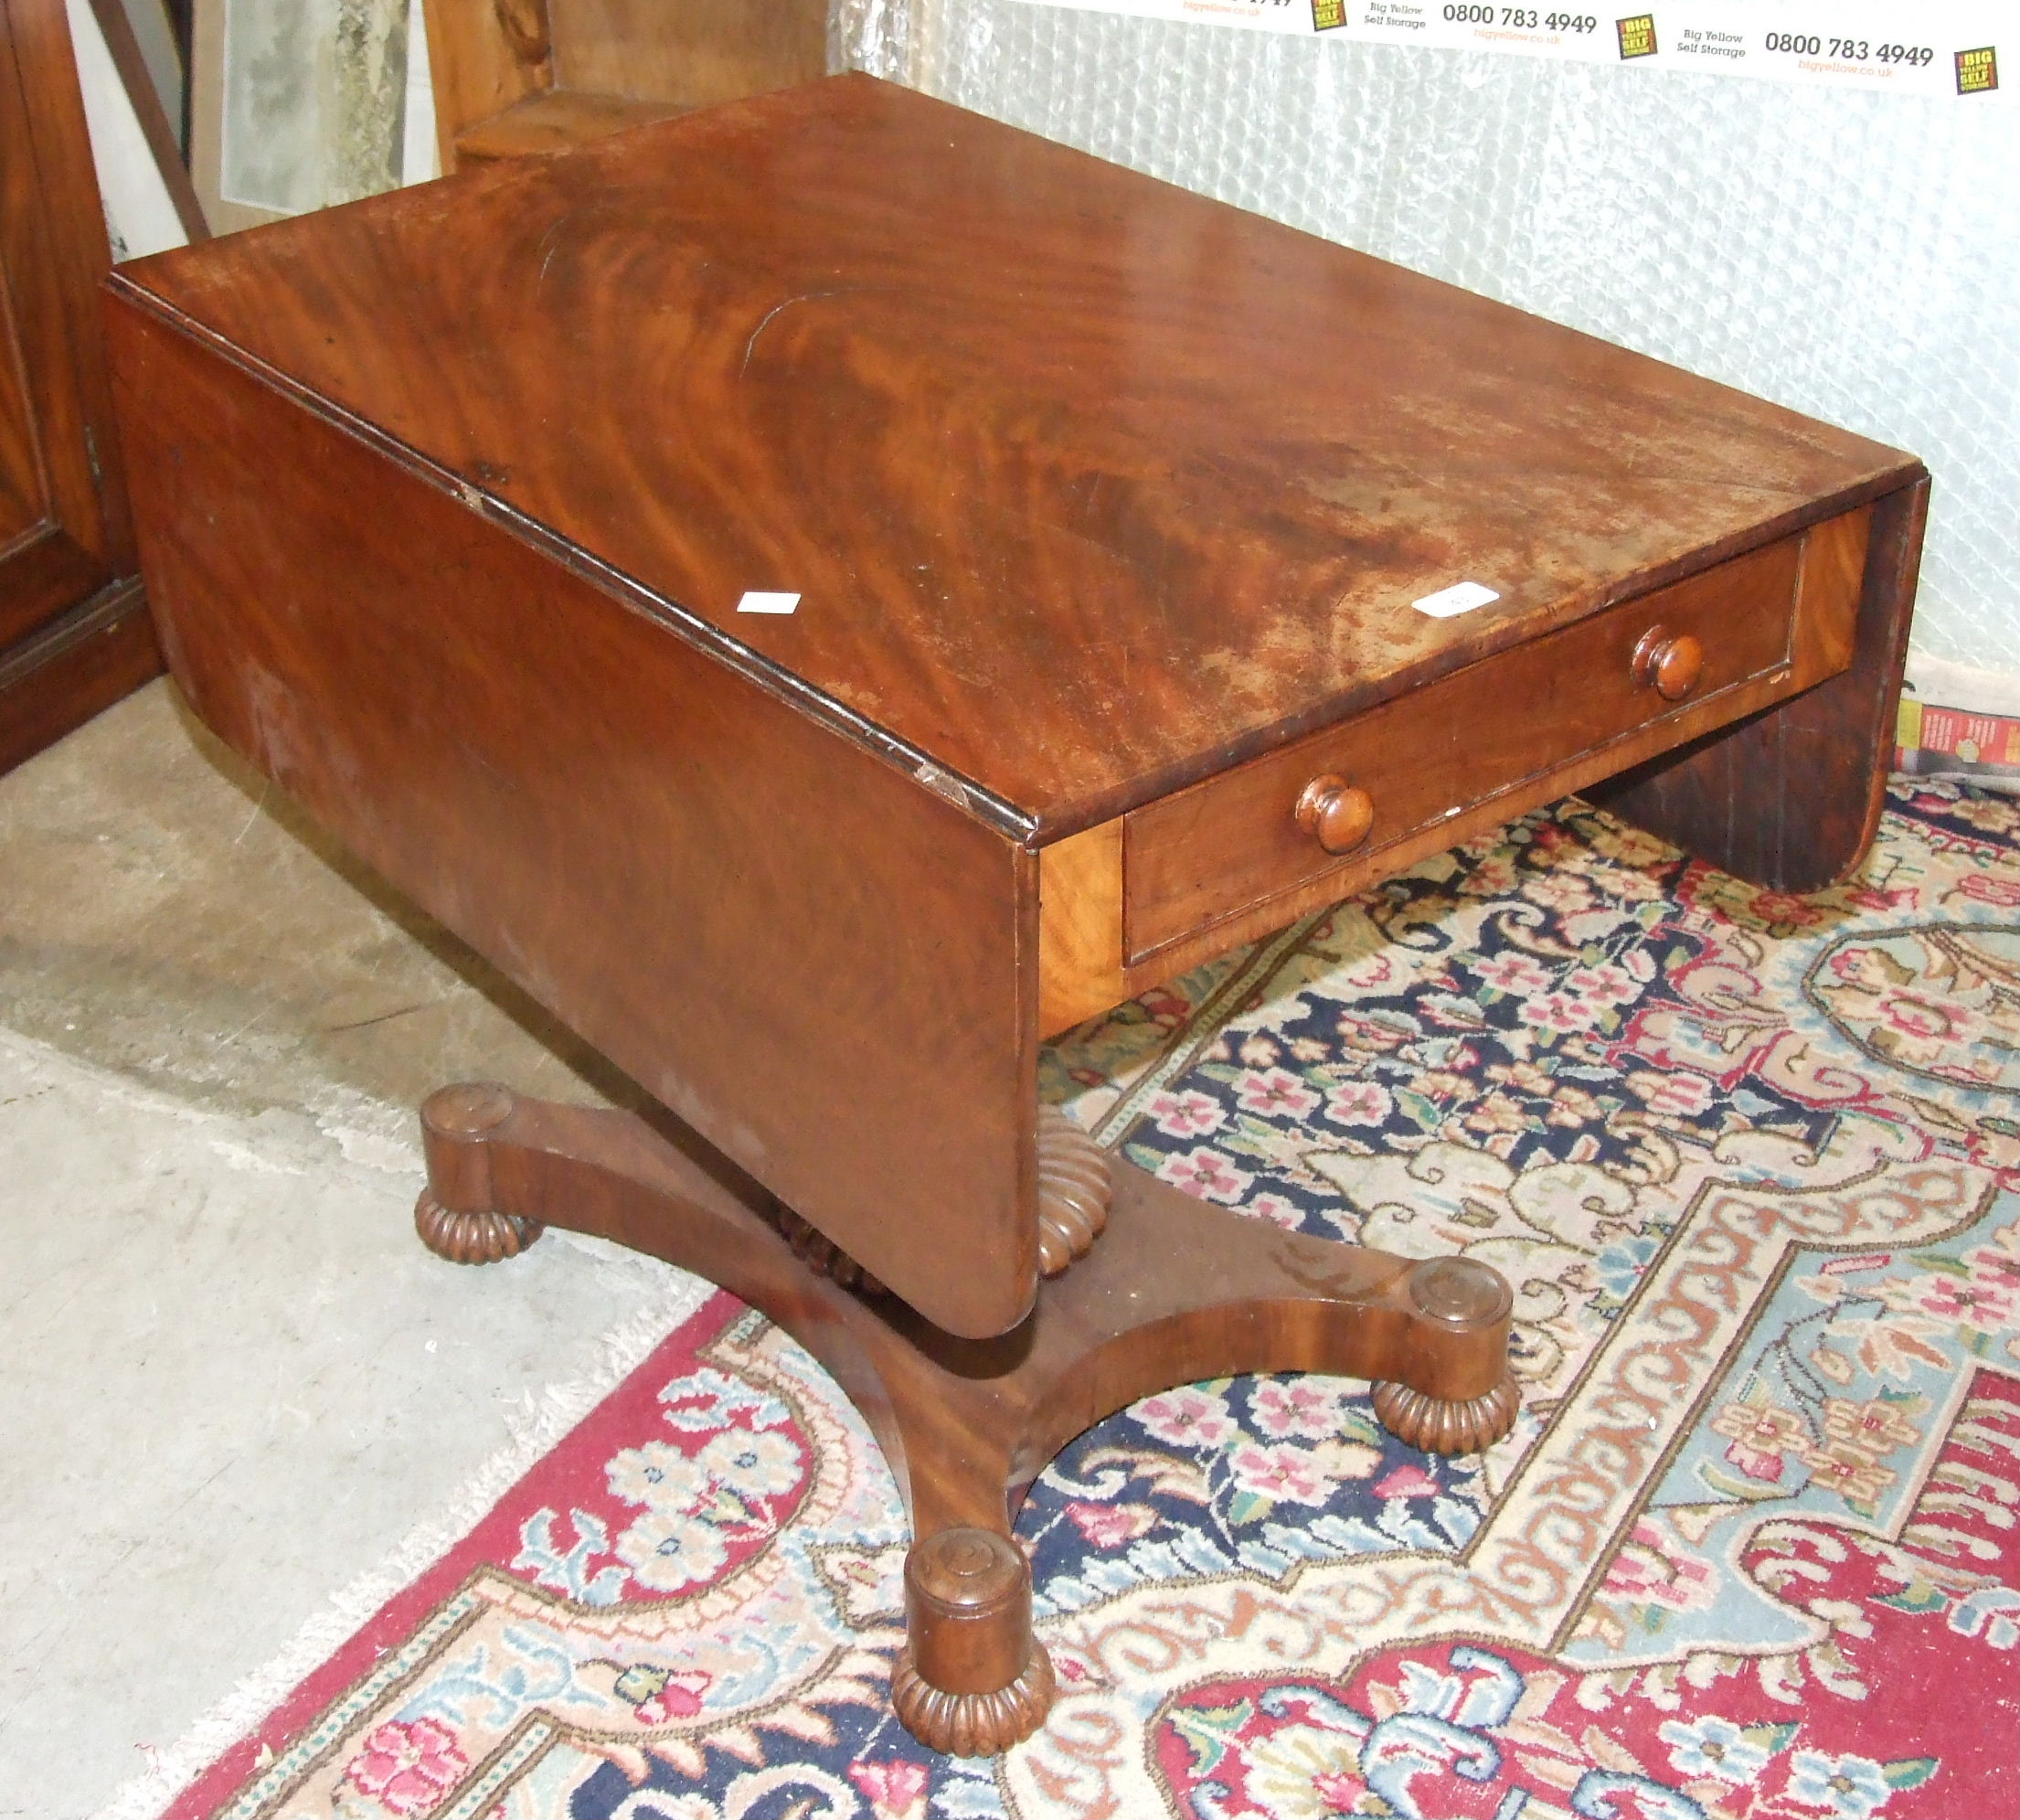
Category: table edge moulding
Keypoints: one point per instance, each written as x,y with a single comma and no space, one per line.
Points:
1113,528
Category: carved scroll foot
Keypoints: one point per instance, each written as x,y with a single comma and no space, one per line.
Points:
456,1216
1462,1309
972,1679
1076,1184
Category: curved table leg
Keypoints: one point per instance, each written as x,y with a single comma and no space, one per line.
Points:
1176,1290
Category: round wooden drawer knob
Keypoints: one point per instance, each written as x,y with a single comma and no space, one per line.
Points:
1669,663
1336,812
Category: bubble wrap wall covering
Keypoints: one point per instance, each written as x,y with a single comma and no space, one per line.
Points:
1855,256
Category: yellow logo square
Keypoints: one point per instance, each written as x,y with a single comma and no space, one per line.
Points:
1637,35
1977,71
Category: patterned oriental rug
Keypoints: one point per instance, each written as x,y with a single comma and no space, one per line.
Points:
1753,1164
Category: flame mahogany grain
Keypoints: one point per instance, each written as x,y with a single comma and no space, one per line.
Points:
820,965
1091,488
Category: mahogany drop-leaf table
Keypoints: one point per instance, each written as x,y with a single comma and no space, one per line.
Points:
827,591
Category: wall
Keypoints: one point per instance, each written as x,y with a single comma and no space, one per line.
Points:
1853,255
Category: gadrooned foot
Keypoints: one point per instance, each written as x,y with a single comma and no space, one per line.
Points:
1462,1308
972,1725
454,1215
472,1238
1076,1185
818,1251
973,1680
1441,1427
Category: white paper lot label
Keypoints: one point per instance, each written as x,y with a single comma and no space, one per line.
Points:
768,604
1462,597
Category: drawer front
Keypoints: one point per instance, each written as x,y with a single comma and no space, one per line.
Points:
1749,631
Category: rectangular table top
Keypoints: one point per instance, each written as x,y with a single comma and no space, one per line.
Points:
1087,486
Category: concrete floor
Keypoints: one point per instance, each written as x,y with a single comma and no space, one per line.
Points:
233,1381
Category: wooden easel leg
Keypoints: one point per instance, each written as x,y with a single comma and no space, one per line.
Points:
1176,1290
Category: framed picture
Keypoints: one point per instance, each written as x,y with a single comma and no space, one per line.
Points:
295,104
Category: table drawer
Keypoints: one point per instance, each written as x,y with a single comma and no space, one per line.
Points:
1743,633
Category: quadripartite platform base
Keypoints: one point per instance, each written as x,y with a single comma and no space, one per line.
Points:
1174,1290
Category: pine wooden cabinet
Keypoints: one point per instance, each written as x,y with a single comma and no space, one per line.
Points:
74,634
